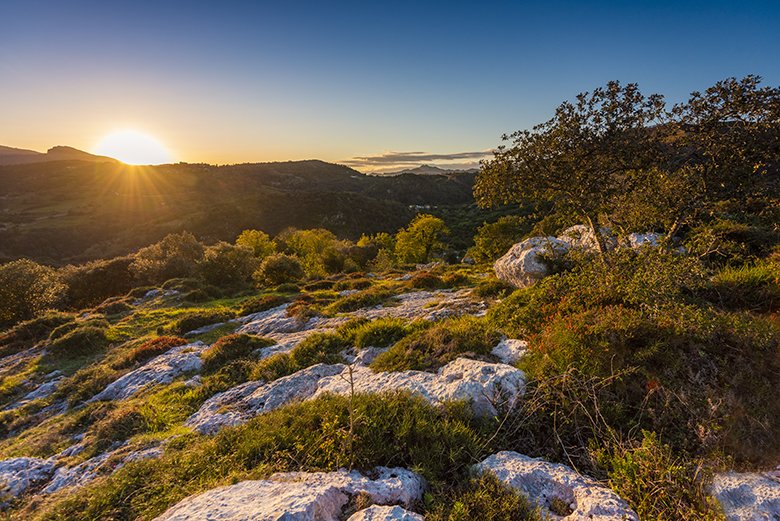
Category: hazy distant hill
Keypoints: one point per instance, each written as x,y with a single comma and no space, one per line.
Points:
77,210
431,170
19,156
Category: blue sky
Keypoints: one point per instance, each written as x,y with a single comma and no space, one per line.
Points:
226,82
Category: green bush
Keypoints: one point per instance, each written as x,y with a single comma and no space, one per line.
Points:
84,340
176,255
486,498
360,283
114,306
258,304
431,348
363,299
67,327
382,332
494,239
150,349
27,289
198,319
318,348
227,266
91,283
230,348
426,280
658,485
118,425
278,269
493,288
26,334
753,287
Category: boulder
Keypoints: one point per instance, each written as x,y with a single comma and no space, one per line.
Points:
640,240
17,475
385,513
748,496
559,491
161,369
523,265
299,496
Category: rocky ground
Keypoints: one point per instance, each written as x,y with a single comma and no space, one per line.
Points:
47,452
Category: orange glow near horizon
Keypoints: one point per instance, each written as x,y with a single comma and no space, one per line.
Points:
134,148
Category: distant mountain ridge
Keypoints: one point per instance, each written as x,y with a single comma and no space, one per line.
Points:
431,170
21,156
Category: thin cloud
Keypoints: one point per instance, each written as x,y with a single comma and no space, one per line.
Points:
395,158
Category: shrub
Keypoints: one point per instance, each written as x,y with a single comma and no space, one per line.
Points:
318,348
486,498
320,285
26,334
118,425
493,288
258,304
83,340
230,348
754,287
317,249
659,485
150,349
198,319
431,348
114,306
259,242
176,255
494,239
382,332
359,283
426,280
287,287
278,269
27,289
93,282
67,327
227,266
453,280
366,298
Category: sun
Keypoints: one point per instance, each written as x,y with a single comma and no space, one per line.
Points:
134,148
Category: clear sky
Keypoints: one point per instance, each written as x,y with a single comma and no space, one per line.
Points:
226,82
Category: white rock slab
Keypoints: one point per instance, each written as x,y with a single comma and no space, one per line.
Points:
510,350
161,369
298,496
748,496
385,513
17,475
543,482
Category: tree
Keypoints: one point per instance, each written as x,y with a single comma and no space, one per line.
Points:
176,255
259,242
26,289
227,266
422,239
278,268
318,250
494,239
582,158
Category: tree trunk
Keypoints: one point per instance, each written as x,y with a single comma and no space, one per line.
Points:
602,248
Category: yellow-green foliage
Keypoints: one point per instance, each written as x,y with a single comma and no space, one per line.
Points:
431,348
484,497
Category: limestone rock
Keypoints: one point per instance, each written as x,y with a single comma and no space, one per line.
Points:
639,240
553,486
385,513
243,402
483,384
748,496
523,264
17,475
298,496
510,350
161,369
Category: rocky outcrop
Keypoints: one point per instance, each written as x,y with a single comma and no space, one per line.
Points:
483,384
385,513
559,491
299,496
524,263
17,475
510,350
161,369
748,496
241,403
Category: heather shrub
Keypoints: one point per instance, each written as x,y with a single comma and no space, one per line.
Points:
230,348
